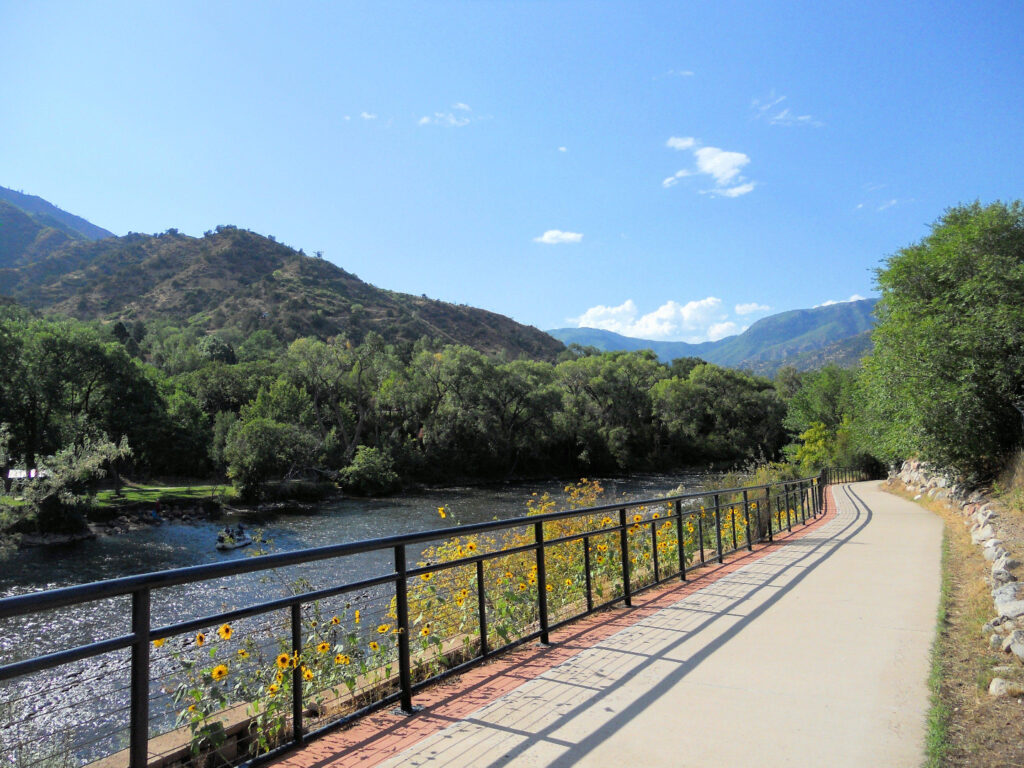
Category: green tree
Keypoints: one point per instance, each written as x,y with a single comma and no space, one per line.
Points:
260,449
947,371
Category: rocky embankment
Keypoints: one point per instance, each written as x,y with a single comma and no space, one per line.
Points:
1000,538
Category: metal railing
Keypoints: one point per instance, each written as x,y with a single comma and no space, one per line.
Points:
603,555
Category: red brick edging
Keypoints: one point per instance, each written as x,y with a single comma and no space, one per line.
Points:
382,735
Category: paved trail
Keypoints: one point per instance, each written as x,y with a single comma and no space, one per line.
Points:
815,654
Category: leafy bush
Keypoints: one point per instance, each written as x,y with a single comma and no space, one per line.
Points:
371,473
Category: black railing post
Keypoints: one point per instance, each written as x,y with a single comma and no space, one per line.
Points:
402,608
542,582
718,528
627,591
746,516
481,604
138,755
789,507
700,533
680,540
654,550
586,572
732,525
768,510
298,732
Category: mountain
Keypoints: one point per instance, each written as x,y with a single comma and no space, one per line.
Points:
805,338
49,215
236,278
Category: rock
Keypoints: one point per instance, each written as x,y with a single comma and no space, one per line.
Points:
1007,563
1002,687
995,642
1014,643
918,497
984,533
993,553
1007,601
1002,576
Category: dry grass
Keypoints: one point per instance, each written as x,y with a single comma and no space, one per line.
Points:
979,730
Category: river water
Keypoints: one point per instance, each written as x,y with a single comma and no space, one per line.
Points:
82,708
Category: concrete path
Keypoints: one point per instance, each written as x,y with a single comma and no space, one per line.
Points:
816,654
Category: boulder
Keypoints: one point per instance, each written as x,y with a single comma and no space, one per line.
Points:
1014,643
1007,600
1006,563
1002,687
984,533
1002,576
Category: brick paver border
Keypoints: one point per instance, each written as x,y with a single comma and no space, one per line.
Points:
381,735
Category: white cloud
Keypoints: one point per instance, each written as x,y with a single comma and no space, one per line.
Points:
888,204
447,119
556,236
749,309
675,73
830,302
722,166
367,116
672,180
736,191
721,330
771,110
457,118
562,149
680,142
695,321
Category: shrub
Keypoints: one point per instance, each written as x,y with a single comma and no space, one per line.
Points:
371,473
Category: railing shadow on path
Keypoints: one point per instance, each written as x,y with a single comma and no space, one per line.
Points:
820,551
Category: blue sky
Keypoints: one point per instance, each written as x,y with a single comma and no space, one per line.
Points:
666,170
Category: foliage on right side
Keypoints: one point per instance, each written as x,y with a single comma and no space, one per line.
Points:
945,381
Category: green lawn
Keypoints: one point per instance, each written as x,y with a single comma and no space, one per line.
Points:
165,494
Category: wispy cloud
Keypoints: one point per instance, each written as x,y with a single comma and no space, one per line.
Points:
675,73
562,149
368,116
830,302
751,308
723,167
774,112
882,205
694,321
557,236
460,115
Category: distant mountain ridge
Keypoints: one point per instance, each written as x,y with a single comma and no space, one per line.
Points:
804,338
233,278
48,214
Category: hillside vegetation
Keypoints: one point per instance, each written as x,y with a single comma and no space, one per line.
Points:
238,281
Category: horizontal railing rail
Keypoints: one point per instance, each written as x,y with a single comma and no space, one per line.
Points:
634,546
